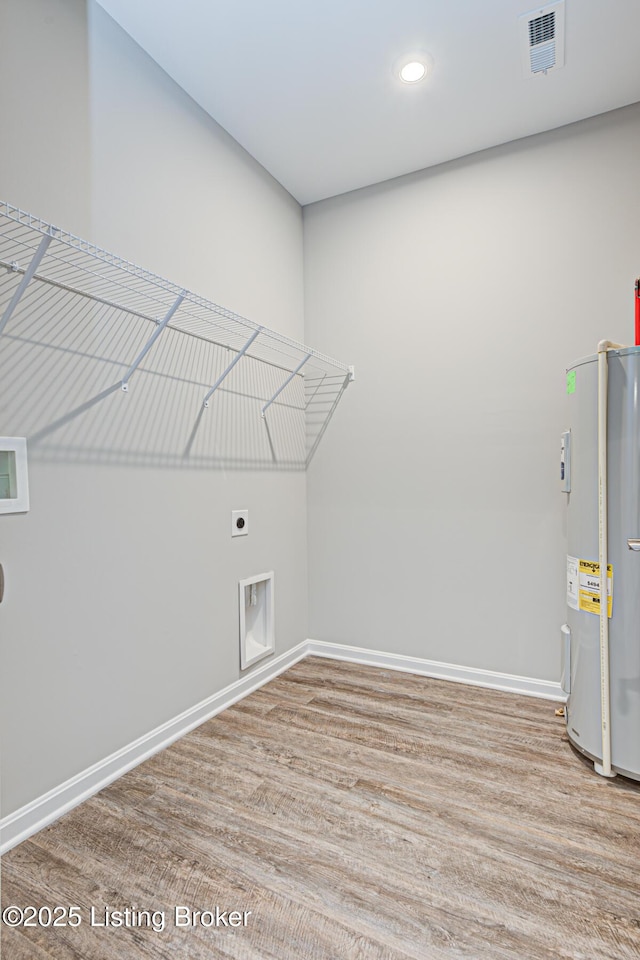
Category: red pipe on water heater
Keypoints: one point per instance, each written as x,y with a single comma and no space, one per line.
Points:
638,312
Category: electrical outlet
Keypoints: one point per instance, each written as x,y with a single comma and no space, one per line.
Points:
239,523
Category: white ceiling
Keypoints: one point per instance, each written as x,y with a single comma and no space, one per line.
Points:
307,86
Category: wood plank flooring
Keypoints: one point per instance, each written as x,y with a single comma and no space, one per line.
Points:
358,814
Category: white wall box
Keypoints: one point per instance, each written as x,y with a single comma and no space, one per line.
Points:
257,633
14,482
146,336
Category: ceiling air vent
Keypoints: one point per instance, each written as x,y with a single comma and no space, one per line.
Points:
542,40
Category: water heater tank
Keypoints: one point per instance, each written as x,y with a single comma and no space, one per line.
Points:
582,672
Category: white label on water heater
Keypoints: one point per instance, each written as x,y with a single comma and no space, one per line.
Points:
589,586
583,585
572,583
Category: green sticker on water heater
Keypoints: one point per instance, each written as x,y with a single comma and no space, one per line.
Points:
571,381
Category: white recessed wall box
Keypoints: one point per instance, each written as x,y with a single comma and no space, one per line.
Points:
14,483
257,633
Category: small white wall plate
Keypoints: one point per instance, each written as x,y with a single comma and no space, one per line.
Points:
239,523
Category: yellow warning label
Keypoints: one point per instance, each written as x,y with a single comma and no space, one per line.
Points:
589,587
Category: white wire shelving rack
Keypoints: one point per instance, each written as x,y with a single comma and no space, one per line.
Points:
69,300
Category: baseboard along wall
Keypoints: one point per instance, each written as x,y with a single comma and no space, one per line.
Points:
42,811
508,683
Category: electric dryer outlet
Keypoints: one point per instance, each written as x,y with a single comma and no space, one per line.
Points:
239,523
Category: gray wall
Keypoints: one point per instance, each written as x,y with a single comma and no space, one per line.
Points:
461,294
121,600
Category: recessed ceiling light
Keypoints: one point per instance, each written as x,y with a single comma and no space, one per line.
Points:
413,71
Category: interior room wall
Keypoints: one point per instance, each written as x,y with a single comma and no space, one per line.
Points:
461,294
121,606
45,156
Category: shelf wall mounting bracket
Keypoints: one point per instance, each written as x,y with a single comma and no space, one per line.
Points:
28,276
241,353
321,380
336,400
288,380
150,342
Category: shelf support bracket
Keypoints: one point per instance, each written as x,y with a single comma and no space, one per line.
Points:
320,382
241,353
150,342
287,381
26,280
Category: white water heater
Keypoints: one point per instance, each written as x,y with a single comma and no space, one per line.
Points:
597,702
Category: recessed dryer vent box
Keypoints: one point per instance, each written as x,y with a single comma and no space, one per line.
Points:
14,484
257,635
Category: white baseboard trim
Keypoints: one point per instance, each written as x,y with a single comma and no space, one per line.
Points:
441,671
42,811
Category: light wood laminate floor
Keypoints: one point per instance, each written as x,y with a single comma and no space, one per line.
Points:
356,813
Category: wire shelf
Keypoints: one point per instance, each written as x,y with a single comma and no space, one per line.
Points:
107,321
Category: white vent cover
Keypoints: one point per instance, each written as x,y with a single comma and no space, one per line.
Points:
542,39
